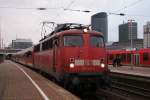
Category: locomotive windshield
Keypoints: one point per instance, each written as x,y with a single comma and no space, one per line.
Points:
96,41
73,40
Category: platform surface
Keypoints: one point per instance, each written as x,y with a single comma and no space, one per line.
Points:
21,83
134,70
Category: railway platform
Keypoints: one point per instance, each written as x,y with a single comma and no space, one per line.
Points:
131,70
21,83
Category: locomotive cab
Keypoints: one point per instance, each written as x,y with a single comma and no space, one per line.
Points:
73,55
84,57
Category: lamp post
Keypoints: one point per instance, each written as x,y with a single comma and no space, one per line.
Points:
131,38
147,32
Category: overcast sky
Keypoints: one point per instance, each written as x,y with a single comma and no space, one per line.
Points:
21,19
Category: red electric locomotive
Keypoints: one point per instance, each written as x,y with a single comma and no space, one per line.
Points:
139,57
73,55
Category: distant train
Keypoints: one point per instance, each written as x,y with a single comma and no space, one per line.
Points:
72,55
135,57
2,57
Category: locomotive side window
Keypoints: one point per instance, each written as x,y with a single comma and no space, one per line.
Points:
73,40
47,44
96,41
50,43
37,48
128,57
44,45
145,56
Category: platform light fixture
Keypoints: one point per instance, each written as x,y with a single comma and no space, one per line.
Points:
131,38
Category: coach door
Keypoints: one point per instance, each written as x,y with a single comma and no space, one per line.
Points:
136,59
55,50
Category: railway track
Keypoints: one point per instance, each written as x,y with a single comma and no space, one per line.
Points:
139,91
127,87
121,91
110,95
123,88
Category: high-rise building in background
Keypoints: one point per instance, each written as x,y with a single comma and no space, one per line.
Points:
99,23
127,31
21,43
147,35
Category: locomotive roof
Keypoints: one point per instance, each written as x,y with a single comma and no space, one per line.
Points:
68,28
24,51
71,31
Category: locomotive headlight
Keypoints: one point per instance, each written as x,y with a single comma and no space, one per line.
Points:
85,30
102,65
71,65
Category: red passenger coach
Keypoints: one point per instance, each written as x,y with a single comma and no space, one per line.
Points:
24,57
139,57
71,54
124,55
142,57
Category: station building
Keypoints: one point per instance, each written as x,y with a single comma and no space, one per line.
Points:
21,43
127,31
146,35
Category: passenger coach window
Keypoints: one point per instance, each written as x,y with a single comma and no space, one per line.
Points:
145,56
123,57
96,41
128,57
73,40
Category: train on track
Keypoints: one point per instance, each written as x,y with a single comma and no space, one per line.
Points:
139,57
72,55
2,57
